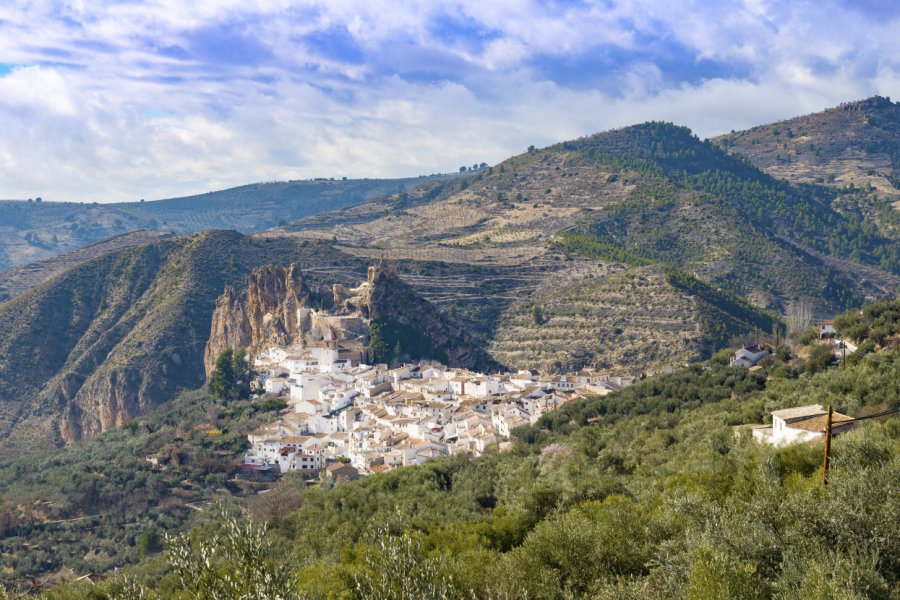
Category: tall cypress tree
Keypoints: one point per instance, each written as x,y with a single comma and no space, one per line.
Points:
223,378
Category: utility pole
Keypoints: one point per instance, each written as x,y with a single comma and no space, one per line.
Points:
827,447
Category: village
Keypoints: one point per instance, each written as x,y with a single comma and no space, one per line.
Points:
347,418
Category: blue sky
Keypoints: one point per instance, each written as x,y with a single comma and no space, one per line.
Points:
104,100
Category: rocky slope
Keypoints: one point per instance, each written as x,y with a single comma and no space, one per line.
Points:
277,309
854,148
412,324
17,281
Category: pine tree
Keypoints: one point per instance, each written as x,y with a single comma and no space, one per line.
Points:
378,343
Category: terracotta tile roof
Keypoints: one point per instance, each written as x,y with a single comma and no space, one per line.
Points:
817,423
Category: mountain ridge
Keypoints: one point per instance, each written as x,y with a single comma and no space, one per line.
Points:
31,231
851,148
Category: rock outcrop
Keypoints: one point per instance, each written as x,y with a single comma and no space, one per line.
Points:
266,313
276,309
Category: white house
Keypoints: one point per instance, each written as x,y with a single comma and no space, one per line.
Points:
308,386
275,385
748,356
312,407
301,461
482,387
323,424
523,379
826,329
800,424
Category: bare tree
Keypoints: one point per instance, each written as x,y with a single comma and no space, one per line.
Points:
799,319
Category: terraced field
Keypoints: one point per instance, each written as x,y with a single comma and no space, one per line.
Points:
605,315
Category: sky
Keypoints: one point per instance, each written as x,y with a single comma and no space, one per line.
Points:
116,100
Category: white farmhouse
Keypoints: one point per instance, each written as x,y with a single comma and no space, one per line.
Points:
826,329
800,424
748,356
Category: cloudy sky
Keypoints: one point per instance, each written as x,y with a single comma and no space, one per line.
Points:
104,100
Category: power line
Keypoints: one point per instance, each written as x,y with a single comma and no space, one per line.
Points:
877,415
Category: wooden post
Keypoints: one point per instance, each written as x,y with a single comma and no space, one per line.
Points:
827,447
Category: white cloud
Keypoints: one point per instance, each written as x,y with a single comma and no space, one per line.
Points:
117,101
36,90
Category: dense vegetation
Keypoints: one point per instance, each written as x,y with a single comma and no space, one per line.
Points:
800,213
592,246
647,493
723,313
392,341
101,504
874,323
231,376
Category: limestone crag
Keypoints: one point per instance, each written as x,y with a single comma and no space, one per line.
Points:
266,313
276,310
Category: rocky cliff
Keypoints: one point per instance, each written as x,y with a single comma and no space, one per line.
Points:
265,313
276,309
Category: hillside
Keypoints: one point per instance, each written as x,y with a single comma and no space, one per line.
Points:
94,506
657,491
853,148
615,203
618,318
17,281
32,231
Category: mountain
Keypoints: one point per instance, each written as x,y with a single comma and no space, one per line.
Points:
647,194
853,148
31,231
